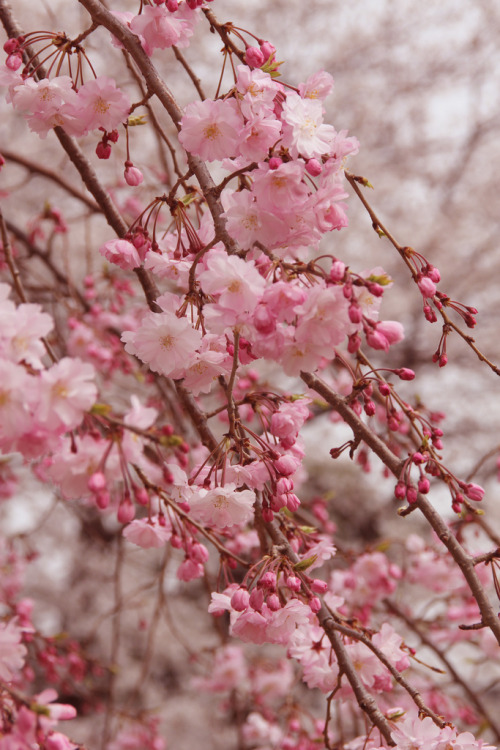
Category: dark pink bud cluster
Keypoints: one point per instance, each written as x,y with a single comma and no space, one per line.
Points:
103,148
13,48
465,311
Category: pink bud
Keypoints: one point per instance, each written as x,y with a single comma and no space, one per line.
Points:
286,465
240,600
141,496
254,57
314,167
315,604
400,491
354,342
433,274
257,599
102,500
273,602
318,586
443,360
14,62
424,485
97,482
263,320
268,580
385,389
293,583
411,494
133,176
275,162
355,314
126,511
103,150
369,408
172,5
474,492
11,45
267,50
337,271
427,287
267,515
419,458
405,373
199,553
284,485
292,501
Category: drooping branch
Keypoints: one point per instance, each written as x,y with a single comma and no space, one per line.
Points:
394,464
156,85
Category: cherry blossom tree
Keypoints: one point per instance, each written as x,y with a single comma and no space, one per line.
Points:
180,338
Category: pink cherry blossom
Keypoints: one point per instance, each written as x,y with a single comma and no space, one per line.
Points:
101,104
222,507
148,532
166,343
67,391
158,28
122,253
211,129
305,134
12,651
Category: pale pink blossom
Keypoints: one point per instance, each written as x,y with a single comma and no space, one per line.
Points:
166,343
102,104
12,651
211,129
67,390
157,28
249,222
222,507
148,533
18,393
122,253
305,134
319,85
237,283
21,330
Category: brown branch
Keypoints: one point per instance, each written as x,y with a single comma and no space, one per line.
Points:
35,168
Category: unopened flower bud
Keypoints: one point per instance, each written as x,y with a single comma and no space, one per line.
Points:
405,373
424,485
427,287
133,176
273,602
254,57
126,511
293,583
240,600
400,491
315,604
337,271
268,580
103,150
97,482
314,167
474,492
267,49
257,599
318,586
411,494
